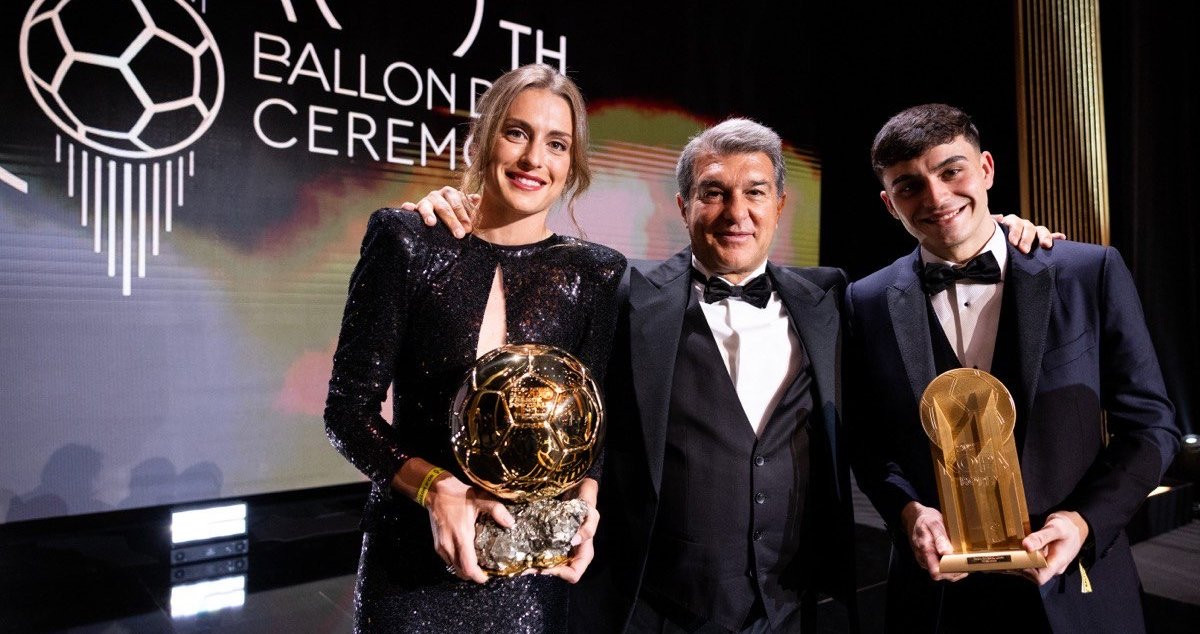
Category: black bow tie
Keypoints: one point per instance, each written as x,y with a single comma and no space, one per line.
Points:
756,292
982,269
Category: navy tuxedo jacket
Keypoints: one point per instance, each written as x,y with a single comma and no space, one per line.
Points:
637,394
1083,349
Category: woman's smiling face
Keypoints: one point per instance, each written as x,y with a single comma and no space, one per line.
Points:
531,158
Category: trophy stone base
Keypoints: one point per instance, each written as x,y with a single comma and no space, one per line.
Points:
540,537
991,560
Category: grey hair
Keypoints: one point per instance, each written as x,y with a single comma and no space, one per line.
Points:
731,136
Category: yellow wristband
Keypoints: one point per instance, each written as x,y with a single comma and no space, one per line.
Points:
427,483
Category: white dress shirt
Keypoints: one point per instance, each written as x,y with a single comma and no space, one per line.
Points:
970,312
758,345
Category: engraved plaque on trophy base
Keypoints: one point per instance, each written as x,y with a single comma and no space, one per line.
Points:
991,560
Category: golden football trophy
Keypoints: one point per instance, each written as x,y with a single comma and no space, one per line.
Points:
526,426
969,417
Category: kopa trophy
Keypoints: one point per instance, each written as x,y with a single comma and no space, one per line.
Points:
526,425
969,417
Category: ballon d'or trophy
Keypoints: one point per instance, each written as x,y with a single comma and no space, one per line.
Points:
526,425
969,417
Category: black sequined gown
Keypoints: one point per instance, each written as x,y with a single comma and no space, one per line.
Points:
412,320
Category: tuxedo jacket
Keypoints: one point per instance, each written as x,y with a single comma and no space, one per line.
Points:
1082,349
637,397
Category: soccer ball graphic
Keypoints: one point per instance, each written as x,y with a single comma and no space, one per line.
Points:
527,422
136,79
968,414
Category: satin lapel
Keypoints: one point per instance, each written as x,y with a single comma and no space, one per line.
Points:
1033,287
910,323
656,305
815,317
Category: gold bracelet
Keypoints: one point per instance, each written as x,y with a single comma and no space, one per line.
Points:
427,483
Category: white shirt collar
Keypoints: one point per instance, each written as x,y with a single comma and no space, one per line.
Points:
758,347
759,270
997,244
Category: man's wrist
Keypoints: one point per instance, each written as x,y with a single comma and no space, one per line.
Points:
909,514
1080,524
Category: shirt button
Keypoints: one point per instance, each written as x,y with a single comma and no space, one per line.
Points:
758,535
760,497
759,461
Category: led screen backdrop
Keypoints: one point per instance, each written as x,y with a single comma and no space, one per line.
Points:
184,186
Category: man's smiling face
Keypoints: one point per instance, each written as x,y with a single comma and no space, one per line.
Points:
731,212
941,198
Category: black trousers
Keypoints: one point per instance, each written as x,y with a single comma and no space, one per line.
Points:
648,619
993,602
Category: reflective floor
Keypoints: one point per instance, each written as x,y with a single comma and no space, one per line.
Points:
319,606
111,573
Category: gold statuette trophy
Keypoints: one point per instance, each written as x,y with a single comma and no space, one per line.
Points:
526,426
969,417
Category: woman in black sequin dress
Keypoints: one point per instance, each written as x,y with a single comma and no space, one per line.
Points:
422,307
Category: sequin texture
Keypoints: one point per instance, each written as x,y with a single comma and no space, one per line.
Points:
412,320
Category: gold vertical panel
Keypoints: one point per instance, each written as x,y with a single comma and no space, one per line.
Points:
1060,117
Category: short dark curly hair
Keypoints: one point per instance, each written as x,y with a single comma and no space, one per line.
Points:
910,133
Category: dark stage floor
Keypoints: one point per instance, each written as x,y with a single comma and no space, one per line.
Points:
111,573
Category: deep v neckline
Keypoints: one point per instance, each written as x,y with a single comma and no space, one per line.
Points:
493,327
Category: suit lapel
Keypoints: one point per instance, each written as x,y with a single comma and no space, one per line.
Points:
814,315
657,301
907,306
1033,286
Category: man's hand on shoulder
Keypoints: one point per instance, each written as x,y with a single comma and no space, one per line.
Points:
927,536
1022,233
449,205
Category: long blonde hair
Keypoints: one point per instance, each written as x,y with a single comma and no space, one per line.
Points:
493,108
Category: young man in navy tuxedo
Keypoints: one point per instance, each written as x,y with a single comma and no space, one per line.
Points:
1063,330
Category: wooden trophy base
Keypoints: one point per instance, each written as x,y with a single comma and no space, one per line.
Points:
991,560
